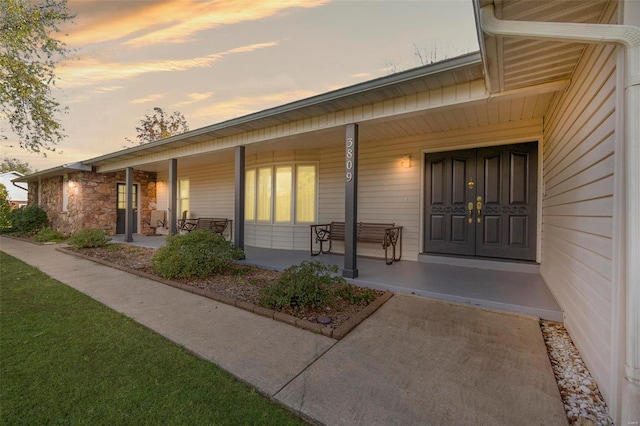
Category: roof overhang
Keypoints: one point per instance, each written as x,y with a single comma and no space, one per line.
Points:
460,70
513,63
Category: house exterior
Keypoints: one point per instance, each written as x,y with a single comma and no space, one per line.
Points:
16,194
528,150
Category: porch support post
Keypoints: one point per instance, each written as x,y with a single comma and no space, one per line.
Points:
128,212
238,214
351,203
173,196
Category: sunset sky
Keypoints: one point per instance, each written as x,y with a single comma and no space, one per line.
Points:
216,60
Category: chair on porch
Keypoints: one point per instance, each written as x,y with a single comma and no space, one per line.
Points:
185,224
157,220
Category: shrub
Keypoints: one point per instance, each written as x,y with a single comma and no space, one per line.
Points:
301,287
356,295
48,235
196,254
5,208
28,219
89,238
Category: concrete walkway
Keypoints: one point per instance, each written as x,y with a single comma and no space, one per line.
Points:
415,361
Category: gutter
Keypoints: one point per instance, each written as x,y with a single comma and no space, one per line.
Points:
18,186
627,36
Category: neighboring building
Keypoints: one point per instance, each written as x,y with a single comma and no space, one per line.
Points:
528,150
17,195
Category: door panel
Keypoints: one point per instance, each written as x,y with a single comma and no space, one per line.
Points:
509,201
446,197
499,184
121,208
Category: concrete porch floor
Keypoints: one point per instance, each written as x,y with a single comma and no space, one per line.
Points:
509,291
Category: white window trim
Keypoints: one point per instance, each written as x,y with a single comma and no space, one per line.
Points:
294,180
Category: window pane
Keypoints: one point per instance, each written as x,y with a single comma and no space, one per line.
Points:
250,195
183,197
184,206
283,193
184,188
135,197
264,194
306,194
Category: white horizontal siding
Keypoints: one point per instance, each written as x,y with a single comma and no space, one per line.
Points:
388,193
577,246
211,190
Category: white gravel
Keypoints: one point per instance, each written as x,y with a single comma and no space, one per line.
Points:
582,400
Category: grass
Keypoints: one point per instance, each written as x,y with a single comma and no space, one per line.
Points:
66,359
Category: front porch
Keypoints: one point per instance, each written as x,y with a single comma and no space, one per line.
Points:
508,291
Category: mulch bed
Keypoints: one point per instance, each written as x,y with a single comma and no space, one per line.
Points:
239,287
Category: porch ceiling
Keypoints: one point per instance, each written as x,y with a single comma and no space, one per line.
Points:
513,106
516,107
516,63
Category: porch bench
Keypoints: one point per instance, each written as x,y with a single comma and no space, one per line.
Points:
218,225
387,234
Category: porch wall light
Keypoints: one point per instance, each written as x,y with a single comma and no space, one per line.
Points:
405,161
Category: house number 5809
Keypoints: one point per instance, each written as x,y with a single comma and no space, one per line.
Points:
349,159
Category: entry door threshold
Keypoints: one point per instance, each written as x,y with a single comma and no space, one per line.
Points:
478,263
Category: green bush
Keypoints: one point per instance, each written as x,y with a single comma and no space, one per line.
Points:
28,219
303,286
89,238
196,254
356,295
48,235
5,208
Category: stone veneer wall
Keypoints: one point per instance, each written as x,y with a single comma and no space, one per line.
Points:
92,200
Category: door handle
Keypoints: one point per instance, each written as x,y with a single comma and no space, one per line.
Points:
470,208
479,208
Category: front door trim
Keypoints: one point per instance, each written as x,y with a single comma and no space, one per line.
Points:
464,146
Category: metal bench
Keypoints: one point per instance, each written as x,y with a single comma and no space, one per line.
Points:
387,234
218,225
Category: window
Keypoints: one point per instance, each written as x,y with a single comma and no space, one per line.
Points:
250,196
122,196
264,194
306,194
183,197
281,194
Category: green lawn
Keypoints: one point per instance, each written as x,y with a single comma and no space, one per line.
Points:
66,359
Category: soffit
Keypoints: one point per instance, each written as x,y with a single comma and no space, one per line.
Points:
514,63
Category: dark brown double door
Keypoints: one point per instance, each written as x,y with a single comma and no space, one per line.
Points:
482,202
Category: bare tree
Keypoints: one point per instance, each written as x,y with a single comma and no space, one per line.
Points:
421,55
159,126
